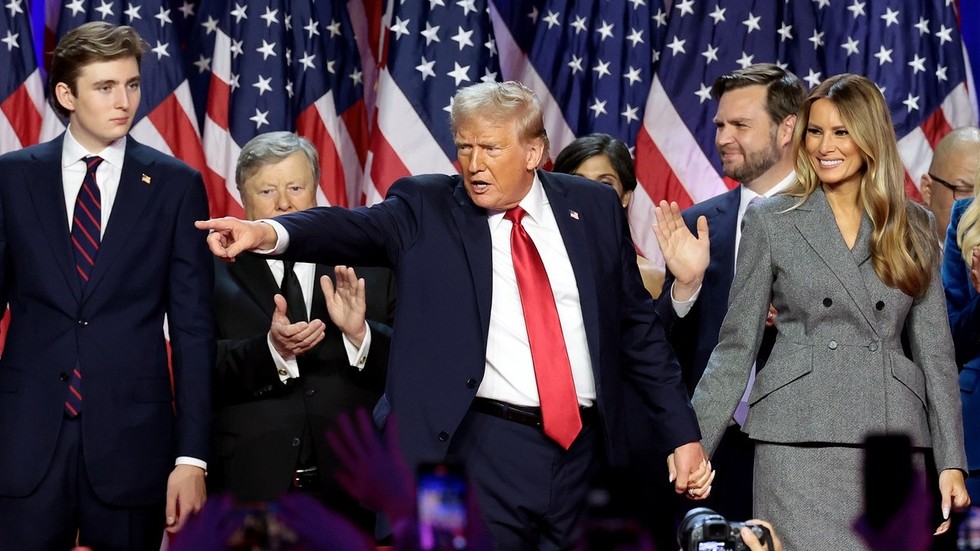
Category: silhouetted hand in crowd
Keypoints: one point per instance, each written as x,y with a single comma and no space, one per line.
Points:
372,469
753,542
908,529
319,528
209,529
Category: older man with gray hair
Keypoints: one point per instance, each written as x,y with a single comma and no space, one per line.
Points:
293,345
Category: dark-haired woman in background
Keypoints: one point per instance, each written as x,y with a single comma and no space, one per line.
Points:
605,159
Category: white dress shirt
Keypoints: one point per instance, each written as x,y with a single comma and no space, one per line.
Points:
509,375
287,366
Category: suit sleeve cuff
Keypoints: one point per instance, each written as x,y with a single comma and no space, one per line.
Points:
184,460
282,238
358,356
287,368
682,308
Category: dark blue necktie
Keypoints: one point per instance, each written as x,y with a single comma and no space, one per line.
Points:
86,236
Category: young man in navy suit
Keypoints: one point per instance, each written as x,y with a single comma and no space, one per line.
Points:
465,376
100,442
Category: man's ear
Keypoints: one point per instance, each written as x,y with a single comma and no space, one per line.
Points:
784,135
535,154
64,96
925,188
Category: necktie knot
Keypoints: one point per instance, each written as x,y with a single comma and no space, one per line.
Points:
515,215
92,163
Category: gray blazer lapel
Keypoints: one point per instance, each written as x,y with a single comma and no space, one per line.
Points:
471,221
817,225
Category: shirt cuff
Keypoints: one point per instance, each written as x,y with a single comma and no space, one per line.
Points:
288,368
184,460
282,238
358,356
682,308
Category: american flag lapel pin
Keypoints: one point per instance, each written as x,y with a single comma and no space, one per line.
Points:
573,214
146,178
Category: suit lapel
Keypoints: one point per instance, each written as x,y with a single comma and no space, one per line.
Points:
131,199
569,215
253,274
725,218
471,222
817,225
48,195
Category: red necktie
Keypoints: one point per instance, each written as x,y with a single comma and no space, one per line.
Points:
553,373
86,236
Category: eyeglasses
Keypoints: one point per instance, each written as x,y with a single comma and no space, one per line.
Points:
959,192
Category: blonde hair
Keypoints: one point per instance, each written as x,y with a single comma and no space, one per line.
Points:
968,230
903,246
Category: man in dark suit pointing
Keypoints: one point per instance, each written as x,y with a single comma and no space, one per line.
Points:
521,318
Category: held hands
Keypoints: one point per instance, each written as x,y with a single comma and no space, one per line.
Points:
346,304
293,339
685,254
231,236
690,471
952,488
185,495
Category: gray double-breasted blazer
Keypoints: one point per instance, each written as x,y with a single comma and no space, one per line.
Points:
837,371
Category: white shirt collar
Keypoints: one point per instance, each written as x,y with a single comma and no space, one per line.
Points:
533,204
72,151
748,195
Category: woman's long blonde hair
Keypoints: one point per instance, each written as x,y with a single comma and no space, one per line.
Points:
968,230
903,246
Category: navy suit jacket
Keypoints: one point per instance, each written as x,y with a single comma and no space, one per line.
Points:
695,335
257,418
438,243
963,305
152,262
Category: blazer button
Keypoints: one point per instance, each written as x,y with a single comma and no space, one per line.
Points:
82,323
311,392
880,305
296,442
827,302
63,376
443,436
832,345
873,347
471,383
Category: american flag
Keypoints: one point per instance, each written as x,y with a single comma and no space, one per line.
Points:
433,49
165,119
912,50
283,65
592,65
21,89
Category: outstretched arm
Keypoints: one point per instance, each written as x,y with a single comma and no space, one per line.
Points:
230,236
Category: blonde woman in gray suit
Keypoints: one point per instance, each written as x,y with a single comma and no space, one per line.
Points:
847,261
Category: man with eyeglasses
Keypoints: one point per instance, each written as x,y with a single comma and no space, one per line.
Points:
951,175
